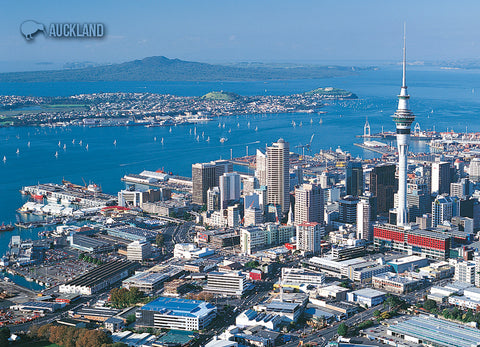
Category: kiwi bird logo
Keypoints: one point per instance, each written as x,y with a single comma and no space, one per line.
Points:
30,28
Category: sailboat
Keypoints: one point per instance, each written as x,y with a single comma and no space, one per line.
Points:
155,138
190,131
311,121
64,147
28,144
86,146
73,141
208,139
115,142
195,131
18,151
248,124
4,158
294,124
56,154
170,130
256,128
198,138
59,144
229,130
162,141
203,134
238,125
321,121
219,125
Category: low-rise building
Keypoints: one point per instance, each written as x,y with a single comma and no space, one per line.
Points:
173,313
226,283
296,277
366,297
394,283
250,318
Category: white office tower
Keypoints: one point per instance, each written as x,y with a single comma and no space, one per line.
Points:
213,199
226,283
403,119
309,237
308,203
364,225
253,216
474,170
229,184
464,271
278,176
261,167
444,208
138,251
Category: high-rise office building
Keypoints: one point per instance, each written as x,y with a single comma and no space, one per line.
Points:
403,119
354,178
205,176
474,170
347,209
372,202
308,203
460,189
309,237
213,199
278,176
441,178
261,167
383,186
229,184
418,199
444,208
364,223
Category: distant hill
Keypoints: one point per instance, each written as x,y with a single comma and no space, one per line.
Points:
164,69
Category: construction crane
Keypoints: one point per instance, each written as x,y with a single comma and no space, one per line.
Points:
307,146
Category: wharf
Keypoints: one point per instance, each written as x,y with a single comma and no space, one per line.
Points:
376,149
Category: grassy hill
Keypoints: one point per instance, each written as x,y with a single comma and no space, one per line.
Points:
332,93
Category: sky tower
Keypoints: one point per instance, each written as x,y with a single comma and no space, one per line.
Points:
403,119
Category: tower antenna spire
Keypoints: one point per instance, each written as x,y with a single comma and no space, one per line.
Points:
404,80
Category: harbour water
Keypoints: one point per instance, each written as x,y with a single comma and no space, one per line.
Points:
444,97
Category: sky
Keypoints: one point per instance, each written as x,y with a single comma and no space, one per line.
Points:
243,31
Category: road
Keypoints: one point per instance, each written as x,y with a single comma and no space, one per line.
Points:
327,334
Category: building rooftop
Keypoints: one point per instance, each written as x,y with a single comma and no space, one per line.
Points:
405,260
179,307
368,293
438,331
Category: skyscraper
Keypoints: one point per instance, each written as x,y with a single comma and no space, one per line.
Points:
441,178
278,177
309,237
382,186
403,119
364,224
308,203
261,167
354,178
229,184
205,176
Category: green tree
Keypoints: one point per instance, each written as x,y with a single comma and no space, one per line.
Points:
4,335
131,318
429,305
160,240
342,329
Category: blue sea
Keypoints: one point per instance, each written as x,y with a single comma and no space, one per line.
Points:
440,98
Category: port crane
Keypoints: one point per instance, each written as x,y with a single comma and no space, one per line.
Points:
307,146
